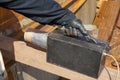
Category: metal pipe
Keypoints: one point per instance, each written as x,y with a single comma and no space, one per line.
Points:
39,39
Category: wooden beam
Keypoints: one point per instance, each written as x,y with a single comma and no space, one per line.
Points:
48,28
87,12
115,41
36,59
100,3
106,19
118,22
64,3
76,5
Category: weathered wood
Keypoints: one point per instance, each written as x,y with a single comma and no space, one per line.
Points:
48,28
76,5
87,12
64,3
100,3
118,22
8,22
115,40
37,59
25,72
106,19
19,16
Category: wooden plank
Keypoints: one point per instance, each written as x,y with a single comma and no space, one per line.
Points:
87,12
115,47
106,19
115,44
19,16
36,59
76,5
115,41
100,3
26,72
64,3
8,22
67,2
118,22
48,28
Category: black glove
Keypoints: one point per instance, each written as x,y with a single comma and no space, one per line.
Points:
76,29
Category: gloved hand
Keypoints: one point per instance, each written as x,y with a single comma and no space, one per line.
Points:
76,29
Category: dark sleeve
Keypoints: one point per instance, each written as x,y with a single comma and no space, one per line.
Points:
43,11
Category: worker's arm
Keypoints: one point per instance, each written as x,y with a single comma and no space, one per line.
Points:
48,12
43,11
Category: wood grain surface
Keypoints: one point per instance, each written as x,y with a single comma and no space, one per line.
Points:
106,19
